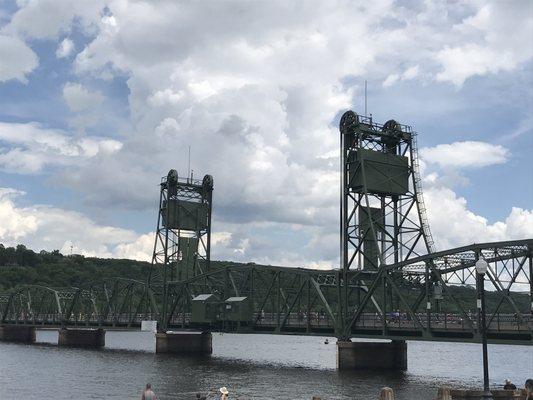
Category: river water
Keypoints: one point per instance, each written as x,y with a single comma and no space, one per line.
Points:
251,366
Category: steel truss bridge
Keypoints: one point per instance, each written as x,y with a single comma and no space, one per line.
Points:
392,284
306,302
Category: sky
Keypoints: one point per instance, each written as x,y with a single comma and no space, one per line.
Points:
99,99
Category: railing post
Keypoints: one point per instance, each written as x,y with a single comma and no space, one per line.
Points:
308,312
530,281
428,298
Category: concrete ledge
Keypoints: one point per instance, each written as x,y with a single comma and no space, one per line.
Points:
17,333
184,343
371,355
85,338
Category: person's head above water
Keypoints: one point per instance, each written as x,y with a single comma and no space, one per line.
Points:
148,386
224,390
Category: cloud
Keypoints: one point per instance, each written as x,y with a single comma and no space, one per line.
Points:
139,249
391,80
453,224
497,33
46,19
240,92
65,48
165,97
79,98
256,94
409,74
17,60
31,147
50,228
15,224
471,59
468,154
525,126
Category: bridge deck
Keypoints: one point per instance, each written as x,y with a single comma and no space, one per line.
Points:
506,329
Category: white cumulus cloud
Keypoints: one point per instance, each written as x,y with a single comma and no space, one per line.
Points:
80,98
454,225
51,228
28,148
46,19
65,48
17,60
468,154
409,74
254,94
498,38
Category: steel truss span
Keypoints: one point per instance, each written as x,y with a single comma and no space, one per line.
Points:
391,283
432,299
114,303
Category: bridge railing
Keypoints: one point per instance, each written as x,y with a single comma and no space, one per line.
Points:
372,321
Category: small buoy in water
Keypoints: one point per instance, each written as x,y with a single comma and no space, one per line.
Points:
326,341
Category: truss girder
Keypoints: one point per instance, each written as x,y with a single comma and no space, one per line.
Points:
119,302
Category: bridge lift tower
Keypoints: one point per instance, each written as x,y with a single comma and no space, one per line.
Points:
183,236
383,217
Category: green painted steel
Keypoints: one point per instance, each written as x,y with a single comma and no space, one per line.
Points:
370,217
378,172
238,309
205,309
187,258
183,236
185,215
307,301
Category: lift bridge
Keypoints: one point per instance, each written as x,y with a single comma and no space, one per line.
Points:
391,283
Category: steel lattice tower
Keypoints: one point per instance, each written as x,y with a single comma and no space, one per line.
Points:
382,210
183,236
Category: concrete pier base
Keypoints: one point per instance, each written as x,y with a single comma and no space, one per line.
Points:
371,355
193,343
17,333
86,338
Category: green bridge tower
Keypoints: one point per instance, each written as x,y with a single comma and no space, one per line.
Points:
183,235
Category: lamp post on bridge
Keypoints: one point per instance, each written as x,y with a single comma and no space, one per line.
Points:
481,269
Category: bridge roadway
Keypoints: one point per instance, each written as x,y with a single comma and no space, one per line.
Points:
504,328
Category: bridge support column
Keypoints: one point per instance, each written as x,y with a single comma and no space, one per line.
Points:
372,355
86,338
193,343
17,333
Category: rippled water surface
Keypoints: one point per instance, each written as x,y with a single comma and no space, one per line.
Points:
251,366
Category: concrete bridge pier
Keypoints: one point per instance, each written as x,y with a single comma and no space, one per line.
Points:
191,343
17,333
85,338
372,355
